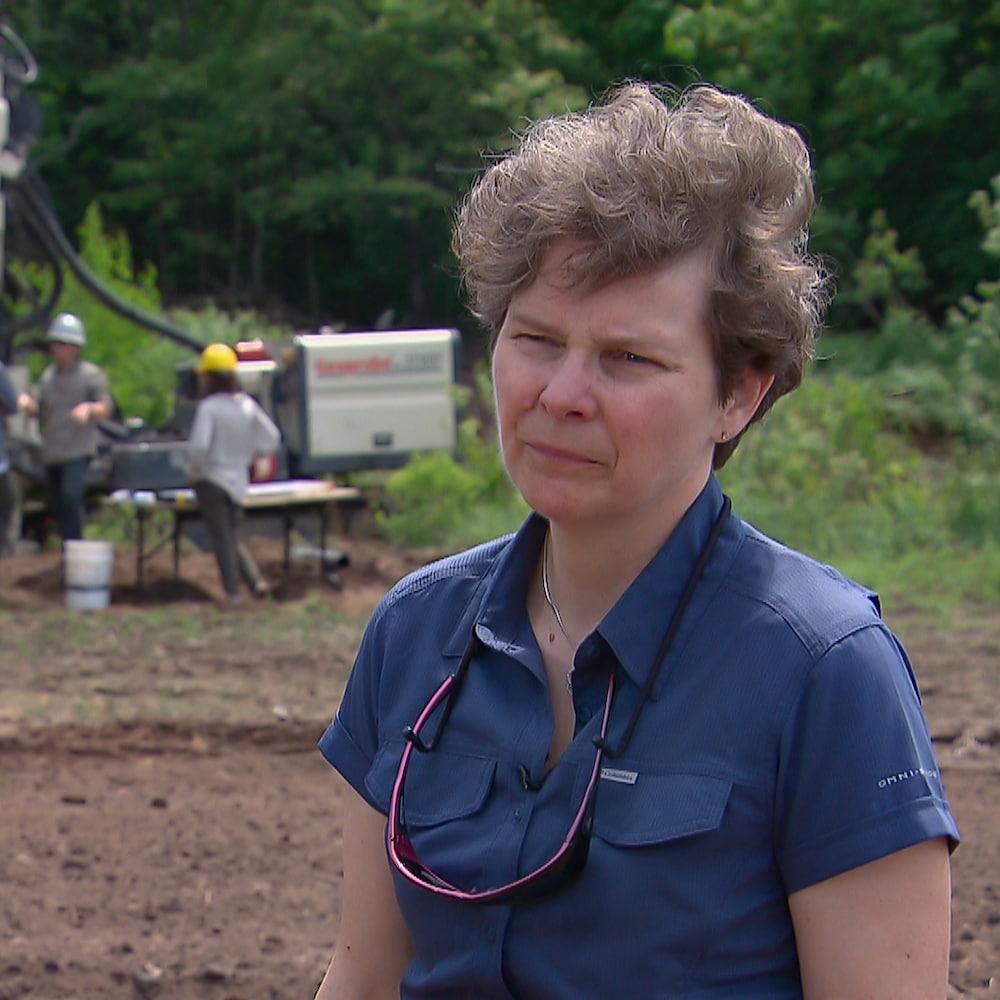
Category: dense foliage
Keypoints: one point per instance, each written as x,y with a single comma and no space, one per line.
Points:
293,154
306,155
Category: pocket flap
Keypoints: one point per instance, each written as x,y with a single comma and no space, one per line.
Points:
440,785
659,807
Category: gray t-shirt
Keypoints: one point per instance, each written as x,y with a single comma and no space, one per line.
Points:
57,393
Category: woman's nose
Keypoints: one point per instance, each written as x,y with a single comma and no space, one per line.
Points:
569,387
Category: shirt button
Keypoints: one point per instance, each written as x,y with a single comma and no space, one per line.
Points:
518,812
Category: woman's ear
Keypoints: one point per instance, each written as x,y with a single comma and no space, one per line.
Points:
748,392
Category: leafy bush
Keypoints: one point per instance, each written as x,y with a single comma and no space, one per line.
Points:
824,476
941,385
426,499
885,276
440,499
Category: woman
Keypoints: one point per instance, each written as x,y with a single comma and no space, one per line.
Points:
229,431
638,748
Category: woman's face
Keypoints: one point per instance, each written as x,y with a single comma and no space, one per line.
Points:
607,399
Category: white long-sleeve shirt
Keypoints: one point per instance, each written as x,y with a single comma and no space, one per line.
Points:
228,432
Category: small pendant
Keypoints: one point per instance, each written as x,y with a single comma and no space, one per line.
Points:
552,637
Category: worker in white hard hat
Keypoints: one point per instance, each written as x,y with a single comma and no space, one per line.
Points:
71,397
229,431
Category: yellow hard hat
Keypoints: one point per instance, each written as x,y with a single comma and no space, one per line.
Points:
217,358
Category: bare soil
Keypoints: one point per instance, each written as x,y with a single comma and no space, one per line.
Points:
168,829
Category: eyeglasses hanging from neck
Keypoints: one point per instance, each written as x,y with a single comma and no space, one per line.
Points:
568,862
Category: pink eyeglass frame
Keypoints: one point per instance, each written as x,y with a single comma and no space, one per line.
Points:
571,854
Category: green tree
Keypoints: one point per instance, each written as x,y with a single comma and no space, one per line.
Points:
304,151
618,39
899,101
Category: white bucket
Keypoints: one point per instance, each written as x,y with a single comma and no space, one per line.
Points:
87,565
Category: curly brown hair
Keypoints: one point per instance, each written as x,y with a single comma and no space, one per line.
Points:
646,176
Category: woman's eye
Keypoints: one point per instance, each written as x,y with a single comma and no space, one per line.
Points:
631,358
534,339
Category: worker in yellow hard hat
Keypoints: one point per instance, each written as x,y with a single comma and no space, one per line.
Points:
217,358
230,430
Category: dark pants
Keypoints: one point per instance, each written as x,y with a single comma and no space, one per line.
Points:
222,517
66,487
8,501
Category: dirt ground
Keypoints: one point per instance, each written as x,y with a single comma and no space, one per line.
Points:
168,829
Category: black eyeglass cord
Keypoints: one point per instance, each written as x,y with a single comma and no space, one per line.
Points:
410,734
528,784
611,752
423,746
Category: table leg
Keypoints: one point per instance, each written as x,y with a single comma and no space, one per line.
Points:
286,520
140,541
177,546
322,539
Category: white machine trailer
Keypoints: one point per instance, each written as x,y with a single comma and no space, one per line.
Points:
343,402
357,400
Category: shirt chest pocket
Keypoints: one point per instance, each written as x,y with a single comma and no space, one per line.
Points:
441,786
445,803
659,808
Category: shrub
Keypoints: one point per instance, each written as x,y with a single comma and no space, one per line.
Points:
440,499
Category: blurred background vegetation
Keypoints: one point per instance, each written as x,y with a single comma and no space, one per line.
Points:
254,166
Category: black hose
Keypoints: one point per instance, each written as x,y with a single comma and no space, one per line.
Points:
10,324
55,238
27,72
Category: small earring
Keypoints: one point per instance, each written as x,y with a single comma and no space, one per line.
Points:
723,436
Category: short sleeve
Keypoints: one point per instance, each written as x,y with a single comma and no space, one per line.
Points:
351,741
858,777
266,436
100,391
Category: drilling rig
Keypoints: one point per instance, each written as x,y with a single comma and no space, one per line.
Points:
343,401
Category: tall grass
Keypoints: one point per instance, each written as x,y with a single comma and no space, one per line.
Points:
826,474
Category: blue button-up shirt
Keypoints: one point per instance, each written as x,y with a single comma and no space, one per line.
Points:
782,743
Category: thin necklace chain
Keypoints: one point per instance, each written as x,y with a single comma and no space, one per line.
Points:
554,609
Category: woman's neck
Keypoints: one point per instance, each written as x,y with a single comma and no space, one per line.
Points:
587,572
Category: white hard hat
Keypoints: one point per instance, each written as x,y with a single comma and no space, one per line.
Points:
67,329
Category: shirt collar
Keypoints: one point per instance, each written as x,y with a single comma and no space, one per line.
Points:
637,624
498,613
